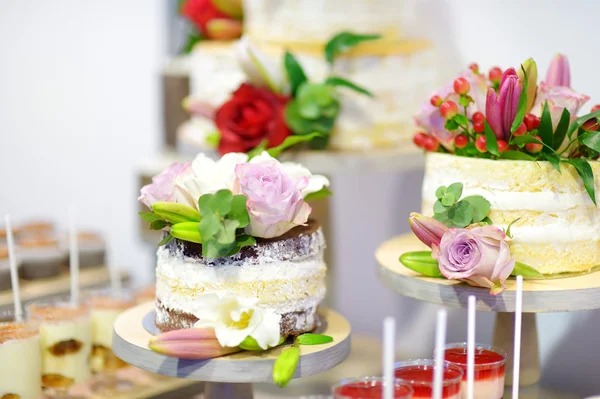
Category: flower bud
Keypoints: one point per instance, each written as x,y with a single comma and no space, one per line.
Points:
285,366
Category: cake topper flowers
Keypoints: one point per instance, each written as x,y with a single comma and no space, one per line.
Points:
278,105
464,244
227,204
508,115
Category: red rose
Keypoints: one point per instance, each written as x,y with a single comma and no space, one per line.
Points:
201,12
249,117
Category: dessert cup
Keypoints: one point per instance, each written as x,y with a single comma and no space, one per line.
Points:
5,283
369,388
419,375
488,371
66,334
21,365
37,228
41,256
106,305
92,249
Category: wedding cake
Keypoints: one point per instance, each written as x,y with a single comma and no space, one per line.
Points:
395,70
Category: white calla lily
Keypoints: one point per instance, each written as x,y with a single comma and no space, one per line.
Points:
235,318
258,67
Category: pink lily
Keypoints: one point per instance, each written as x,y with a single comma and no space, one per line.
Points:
427,229
559,73
501,108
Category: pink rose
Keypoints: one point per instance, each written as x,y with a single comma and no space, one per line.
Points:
480,256
163,189
275,201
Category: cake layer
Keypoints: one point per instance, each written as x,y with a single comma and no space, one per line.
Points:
398,80
286,274
318,20
557,228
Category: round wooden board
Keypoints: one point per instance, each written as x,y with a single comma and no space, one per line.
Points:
130,343
550,295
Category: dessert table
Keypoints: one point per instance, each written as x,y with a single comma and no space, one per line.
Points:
227,376
575,293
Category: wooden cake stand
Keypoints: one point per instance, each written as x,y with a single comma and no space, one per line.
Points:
566,294
228,376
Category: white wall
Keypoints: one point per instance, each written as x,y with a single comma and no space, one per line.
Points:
79,107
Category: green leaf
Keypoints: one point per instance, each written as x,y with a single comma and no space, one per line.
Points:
481,207
300,125
221,202
561,129
439,207
421,262
441,190
442,217
456,189
212,249
149,216
226,233
166,239
192,39
313,339
524,270
209,226
285,366
591,140
315,93
256,151
309,109
240,242
292,141
451,124
239,211
343,42
461,120
213,139
461,214
341,82
509,226
545,129
294,71
522,105
491,142
516,155
464,101
158,225
487,220
554,160
322,193
587,175
580,121
449,199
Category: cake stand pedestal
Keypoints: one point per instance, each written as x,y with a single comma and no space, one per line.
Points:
228,376
547,295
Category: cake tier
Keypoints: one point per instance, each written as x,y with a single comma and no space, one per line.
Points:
318,20
287,275
557,228
398,79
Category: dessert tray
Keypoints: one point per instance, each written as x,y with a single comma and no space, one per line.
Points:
581,292
231,375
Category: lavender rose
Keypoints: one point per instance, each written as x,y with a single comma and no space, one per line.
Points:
480,256
163,189
275,200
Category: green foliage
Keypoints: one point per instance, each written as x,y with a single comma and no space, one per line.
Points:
591,140
322,193
343,42
421,262
522,105
524,270
294,71
313,339
561,129
509,226
576,125
337,81
554,160
213,139
545,129
516,155
461,119
149,216
192,39
166,239
222,215
451,124
453,212
584,170
491,141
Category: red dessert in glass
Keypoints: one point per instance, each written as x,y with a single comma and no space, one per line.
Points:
368,388
419,375
488,371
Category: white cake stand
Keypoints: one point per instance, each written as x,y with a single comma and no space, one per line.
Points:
567,294
228,376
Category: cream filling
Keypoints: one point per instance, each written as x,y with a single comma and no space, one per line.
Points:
74,365
102,325
484,389
21,368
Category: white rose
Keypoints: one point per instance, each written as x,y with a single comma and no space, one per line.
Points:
235,318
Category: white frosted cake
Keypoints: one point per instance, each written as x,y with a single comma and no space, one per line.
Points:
398,71
557,227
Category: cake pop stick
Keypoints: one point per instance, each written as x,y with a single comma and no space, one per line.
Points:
14,273
389,356
471,348
440,342
115,278
74,259
517,346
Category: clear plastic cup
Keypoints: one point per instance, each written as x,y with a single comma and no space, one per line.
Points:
489,367
419,375
21,365
65,335
369,388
